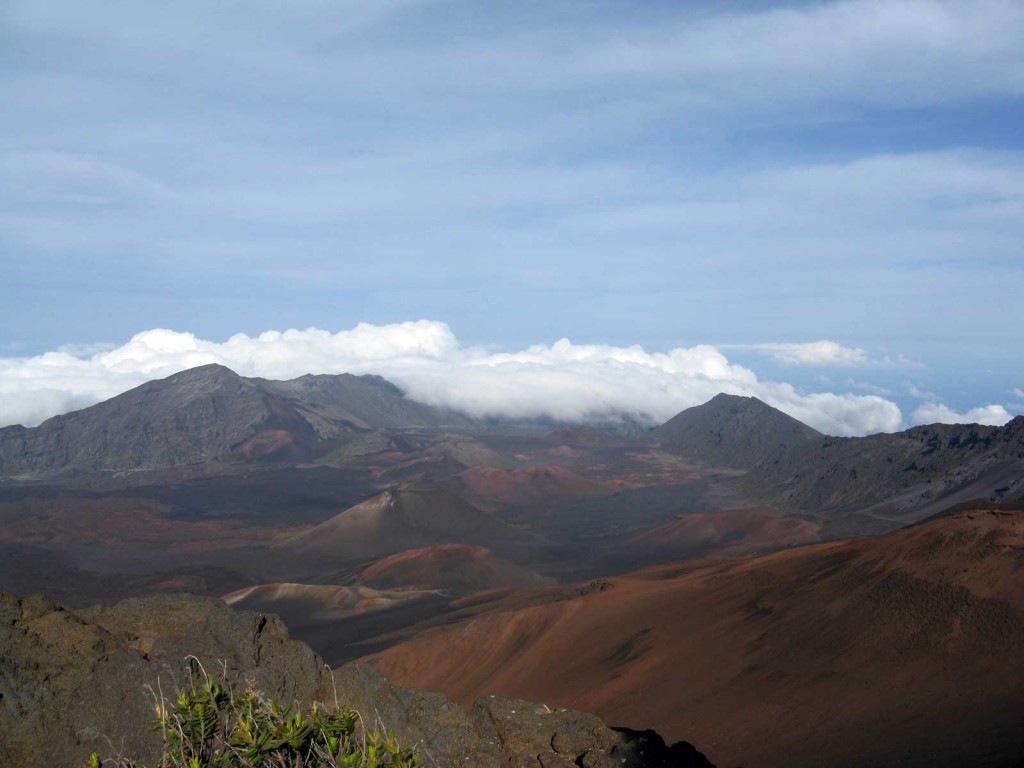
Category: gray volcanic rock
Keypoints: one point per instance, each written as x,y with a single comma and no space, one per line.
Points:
69,681
368,400
75,682
887,479
733,431
211,414
903,476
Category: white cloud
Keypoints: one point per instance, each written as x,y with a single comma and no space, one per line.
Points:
566,381
563,380
931,413
1018,392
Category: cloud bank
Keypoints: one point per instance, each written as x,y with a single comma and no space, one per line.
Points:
930,413
565,381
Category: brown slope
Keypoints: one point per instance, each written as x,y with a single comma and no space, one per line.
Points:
455,568
313,603
725,532
399,520
469,452
536,485
900,650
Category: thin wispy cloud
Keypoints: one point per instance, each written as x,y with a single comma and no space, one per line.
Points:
823,354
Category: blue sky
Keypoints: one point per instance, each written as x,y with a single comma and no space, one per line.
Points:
617,173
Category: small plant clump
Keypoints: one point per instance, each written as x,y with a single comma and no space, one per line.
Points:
207,725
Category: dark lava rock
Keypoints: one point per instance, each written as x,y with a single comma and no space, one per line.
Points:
504,732
74,682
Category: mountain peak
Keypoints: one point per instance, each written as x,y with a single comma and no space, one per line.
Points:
732,430
725,397
208,371
753,404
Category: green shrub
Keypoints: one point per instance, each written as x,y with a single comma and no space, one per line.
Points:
208,725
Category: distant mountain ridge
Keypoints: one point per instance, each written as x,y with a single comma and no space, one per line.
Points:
210,414
209,418
905,475
902,477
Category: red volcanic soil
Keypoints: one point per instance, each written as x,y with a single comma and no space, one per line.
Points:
264,443
726,532
903,650
398,520
536,485
455,568
319,602
649,468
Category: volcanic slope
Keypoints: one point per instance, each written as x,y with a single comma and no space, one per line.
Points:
455,568
300,604
733,431
736,531
854,485
399,591
522,487
211,414
898,650
399,520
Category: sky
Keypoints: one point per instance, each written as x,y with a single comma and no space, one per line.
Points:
587,208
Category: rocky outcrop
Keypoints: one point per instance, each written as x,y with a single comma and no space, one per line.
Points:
497,731
72,682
